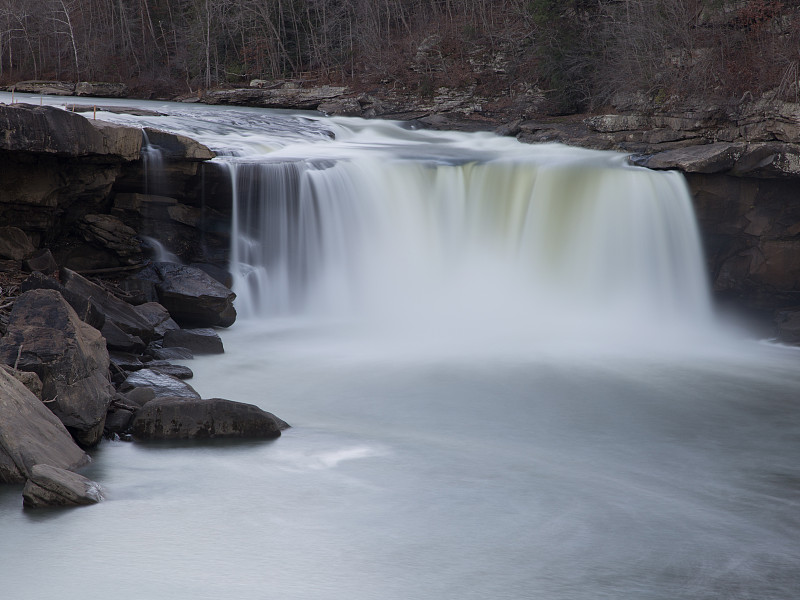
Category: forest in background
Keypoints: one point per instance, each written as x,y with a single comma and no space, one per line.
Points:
579,53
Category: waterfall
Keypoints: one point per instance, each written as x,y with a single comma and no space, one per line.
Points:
442,233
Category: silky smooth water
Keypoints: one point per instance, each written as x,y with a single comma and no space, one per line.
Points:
460,429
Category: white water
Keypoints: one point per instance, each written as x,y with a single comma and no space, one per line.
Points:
504,378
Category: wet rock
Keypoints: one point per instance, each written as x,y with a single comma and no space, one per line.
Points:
30,434
179,419
176,353
118,421
166,367
41,261
125,361
46,336
139,396
163,385
14,243
191,296
118,340
199,341
158,317
115,310
111,233
51,486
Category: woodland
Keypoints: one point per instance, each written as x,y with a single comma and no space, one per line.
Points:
578,53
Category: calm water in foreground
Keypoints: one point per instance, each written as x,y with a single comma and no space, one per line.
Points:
541,474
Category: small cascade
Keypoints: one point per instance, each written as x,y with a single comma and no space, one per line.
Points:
153,163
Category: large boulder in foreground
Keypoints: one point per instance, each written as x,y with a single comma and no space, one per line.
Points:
51,486
181,419
30,434
46,336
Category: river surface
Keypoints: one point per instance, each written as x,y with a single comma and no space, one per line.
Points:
555,438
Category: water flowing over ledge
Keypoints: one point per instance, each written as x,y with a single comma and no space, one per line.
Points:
444,234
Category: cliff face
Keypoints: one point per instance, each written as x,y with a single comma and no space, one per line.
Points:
75,186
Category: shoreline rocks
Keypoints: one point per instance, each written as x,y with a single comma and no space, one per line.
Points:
181,419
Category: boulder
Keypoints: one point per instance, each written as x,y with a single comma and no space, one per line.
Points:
14,243
199,341
118,340
180,419
115,310
158,317
139,396
176,353
46,336
118,420
167,368
125,361
162,384
50,130
51,486
30,434
50,88
191,296
87,311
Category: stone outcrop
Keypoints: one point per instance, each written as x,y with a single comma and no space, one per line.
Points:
122,314
102,89
30,434
158,317
199,341
51,486
46,336
177,419
292,96
162,384
174,146
192,297
50,130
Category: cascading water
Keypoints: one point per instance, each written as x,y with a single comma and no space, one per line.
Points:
485,236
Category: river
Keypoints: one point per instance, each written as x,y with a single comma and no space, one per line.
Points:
504,377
